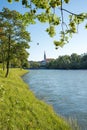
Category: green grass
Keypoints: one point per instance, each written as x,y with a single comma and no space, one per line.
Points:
21,110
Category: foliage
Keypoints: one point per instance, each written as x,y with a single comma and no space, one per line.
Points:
34,65
53,12
69,62
21,110
13,38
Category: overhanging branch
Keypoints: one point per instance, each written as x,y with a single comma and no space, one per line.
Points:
70,12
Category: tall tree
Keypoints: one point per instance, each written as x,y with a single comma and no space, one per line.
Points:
3,46
83,64
2,53
20,54
75,61
14,28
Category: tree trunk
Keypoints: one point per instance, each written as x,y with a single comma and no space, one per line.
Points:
3,66
3,61
8,56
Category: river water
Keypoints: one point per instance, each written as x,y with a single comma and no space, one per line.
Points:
65,90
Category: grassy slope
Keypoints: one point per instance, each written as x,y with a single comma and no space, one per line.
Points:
21,110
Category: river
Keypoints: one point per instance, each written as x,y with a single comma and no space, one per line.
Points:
65,90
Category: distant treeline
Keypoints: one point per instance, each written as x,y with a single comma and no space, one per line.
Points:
34,65
74,61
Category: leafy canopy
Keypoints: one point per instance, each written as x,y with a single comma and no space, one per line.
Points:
52,11
14,38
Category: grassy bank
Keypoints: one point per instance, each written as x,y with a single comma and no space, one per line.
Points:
21,110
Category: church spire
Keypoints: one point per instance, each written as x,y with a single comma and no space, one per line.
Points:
44,56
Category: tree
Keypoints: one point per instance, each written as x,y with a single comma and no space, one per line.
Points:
20,55
3,46
75,61
63,62
14,31
2,53
83,63
34,65
52,11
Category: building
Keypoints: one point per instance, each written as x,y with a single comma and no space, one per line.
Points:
45,60
40,64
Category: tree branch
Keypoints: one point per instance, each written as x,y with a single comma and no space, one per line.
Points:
62,16
70,12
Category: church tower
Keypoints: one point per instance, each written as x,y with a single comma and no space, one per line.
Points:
44,61
44,57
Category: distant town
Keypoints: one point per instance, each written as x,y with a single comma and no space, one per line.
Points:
40,64
74,61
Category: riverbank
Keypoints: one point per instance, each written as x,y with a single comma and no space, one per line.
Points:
21,110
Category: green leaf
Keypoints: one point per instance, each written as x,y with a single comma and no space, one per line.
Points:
42,17
86,26
10,1
17,0
66,1
51,31
57,43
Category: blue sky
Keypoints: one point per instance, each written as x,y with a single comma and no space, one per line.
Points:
78,44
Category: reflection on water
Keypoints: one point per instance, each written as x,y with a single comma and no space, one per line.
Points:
66,90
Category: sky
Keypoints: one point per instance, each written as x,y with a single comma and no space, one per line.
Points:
78,44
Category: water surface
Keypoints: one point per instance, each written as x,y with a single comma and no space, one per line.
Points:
65,90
